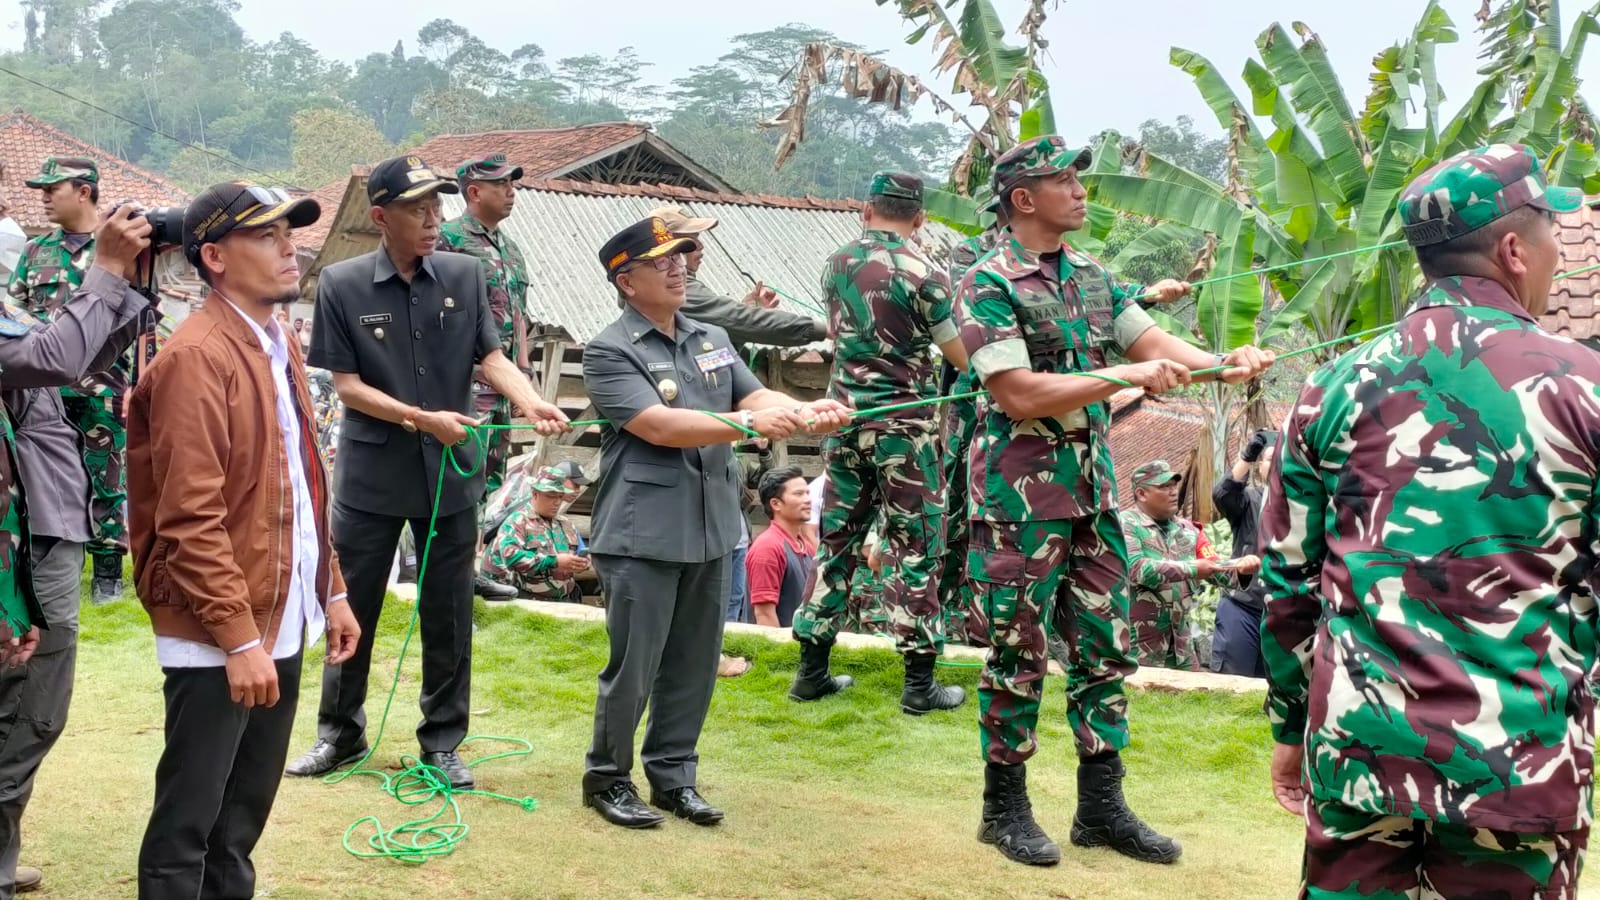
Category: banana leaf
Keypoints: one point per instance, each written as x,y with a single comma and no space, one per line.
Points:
1228,310
1165,201
1315,91
954,210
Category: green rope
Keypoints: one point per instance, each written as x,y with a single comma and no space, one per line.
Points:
1148,295
419,840
1575,272
793,299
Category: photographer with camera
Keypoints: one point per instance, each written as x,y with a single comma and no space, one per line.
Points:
51,268
1236,645
44,546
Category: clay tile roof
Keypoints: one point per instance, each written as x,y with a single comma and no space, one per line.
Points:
25,143
539,152
1572,304
328,197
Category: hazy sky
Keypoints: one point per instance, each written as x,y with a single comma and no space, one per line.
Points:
1109,60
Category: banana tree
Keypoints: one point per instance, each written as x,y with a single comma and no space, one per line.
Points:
1326,180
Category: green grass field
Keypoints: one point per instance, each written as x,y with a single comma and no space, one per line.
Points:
843,798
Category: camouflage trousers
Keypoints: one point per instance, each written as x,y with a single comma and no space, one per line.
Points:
1068,578
105,439
1351,853
497,442
865,614
964,619
1161,633
898,471
537,587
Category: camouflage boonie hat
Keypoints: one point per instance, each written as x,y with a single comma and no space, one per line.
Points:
488,168
1041,156
898,185
1471,189
64,168
549,480
1154,473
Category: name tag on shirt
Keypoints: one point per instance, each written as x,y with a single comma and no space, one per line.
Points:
660,366
379,319
720,358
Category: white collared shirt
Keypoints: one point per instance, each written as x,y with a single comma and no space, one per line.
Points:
301,611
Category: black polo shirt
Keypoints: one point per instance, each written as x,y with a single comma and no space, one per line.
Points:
418,343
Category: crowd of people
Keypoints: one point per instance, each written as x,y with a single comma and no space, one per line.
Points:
1412,571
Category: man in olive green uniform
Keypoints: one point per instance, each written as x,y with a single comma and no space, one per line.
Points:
52,266
888,306
488,185
1047,550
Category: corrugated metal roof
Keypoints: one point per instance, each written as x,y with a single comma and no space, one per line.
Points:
560,227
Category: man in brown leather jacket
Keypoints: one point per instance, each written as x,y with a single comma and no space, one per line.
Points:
229,523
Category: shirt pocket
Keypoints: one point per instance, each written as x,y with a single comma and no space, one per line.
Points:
650,474
365,431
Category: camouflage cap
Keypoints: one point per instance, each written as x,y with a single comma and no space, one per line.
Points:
1045,155
64,168
1154,473
897,185
549,480
1471,189
488,168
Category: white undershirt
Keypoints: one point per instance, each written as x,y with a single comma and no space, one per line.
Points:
301,611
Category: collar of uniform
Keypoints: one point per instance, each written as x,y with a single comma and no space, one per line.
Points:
385,269
638,326
75,241
884,235
475,225
1467,290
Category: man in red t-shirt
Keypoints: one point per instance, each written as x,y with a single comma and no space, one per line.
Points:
781,560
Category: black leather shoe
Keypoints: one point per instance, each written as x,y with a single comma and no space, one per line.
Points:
453,768
489,589
324,757
686,803
619,804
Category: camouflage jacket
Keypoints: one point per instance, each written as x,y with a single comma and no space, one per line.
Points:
1163,558
525,548
1052,313
887,305
19,605
504,268
966,254
1430,565
51,267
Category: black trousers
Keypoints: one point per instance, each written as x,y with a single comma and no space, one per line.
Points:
366,543
34,698
1236,644
215,785
664,621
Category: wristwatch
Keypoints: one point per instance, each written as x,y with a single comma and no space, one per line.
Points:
747,419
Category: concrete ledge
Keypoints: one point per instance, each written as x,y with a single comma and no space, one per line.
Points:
1147,677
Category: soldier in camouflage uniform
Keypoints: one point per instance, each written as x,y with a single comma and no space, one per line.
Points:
964,621
888,305
52,266
1165,569
538,549
1047,551
488,185
1430,568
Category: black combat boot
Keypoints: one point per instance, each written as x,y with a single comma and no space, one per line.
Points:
1104,819
106,586
812,681
922,694
1008,818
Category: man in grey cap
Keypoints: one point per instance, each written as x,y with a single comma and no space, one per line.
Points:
756,319
402,329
